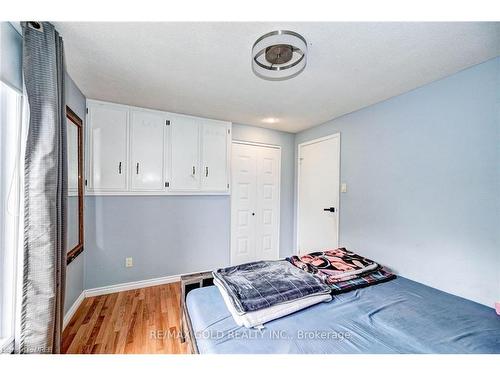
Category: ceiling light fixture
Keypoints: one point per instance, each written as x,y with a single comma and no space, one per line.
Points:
279,55
270,120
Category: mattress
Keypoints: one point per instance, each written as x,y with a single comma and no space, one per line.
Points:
399,316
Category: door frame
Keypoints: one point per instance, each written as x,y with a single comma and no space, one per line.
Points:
299,148
257,144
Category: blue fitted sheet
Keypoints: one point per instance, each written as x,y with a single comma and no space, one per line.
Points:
399,316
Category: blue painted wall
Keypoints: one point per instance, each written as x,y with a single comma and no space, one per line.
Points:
75,270
171,235
422,171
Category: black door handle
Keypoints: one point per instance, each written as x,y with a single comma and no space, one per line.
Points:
331,209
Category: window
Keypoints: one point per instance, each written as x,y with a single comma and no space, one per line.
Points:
10,131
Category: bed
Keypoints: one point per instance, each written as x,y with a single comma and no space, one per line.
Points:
399,316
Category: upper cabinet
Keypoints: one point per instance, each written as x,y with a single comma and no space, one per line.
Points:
136,151
108,147
185,154
215,149
147,151
199,155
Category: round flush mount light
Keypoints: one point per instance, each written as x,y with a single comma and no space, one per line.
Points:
279,55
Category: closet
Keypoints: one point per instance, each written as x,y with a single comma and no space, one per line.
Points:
138,151
255,202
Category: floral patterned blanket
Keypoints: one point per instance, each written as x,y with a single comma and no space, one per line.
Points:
341,269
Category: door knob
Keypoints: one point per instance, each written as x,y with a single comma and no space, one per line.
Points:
331,209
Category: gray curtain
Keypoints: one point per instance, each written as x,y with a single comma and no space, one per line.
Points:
45,191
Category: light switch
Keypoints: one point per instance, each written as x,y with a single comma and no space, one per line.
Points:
343,188
129,262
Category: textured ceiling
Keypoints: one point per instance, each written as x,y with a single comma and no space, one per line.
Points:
204,69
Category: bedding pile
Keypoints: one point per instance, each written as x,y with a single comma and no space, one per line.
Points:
258,292
342,270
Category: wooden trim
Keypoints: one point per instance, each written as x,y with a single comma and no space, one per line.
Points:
78,249
73,253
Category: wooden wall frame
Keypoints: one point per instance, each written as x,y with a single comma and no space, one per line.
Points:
78,249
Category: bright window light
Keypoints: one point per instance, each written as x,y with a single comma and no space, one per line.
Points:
10,126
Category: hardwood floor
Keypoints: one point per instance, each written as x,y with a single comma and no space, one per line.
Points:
143,320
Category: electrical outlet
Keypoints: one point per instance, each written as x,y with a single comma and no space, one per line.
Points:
129,262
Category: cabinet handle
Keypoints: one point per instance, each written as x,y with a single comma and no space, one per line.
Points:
137,168
120,168
194,170
206,171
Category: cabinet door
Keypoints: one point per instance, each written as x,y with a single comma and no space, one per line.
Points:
147,140
185,154
108,147
214,151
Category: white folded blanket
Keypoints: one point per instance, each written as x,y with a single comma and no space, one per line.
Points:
256,318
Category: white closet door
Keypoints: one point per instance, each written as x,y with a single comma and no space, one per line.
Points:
255,209
108,142
215,155
243,203
147,139
185,154
268,203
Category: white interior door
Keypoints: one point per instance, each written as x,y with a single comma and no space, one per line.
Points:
255,202
318,194
268,203
215,154
185,154
147,140
108,142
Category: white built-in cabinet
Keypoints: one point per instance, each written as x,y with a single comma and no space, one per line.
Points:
185,155
214,153
136,151
108,147
147,151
